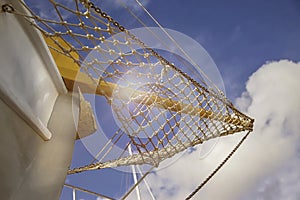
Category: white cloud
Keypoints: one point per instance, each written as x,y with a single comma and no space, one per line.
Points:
266,164
41,8
131,4
100,198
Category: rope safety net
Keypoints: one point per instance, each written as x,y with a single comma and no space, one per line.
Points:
159,109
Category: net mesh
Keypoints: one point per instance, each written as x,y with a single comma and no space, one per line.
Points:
159,109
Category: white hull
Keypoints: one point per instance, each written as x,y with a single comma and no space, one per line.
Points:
37,119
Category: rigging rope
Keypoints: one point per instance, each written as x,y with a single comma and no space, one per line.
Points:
218,168
165,44
179,47
159,119
88,191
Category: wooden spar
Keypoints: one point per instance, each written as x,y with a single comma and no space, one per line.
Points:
71,74
89,86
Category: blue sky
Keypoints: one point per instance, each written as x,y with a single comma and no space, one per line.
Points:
237,34
241,36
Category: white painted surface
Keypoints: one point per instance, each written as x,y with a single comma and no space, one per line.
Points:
31,168
29,79
33,99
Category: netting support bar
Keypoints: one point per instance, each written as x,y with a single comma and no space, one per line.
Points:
87,85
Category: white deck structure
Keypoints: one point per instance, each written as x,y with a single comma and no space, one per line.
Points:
37,123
